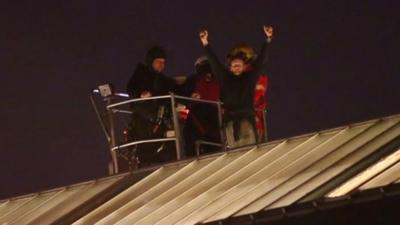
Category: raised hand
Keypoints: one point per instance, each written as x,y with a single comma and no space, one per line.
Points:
268,30
204,37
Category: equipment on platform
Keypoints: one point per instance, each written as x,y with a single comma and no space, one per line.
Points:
166,127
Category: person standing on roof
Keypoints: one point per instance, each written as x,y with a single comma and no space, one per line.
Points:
150,118
260,94
237,89
202,123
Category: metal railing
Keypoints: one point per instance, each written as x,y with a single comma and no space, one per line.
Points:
107,122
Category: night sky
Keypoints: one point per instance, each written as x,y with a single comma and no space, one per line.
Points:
333,63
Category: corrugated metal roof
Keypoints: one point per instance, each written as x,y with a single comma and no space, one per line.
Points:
46,207
246,181
148,188
383,172
378,206
389,176
229,184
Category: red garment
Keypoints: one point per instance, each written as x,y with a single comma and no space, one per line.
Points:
260,101
208,90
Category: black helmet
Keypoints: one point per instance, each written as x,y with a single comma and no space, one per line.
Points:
154,53
202,65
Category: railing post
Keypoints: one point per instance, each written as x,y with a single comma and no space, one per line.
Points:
265,137
221,126
103,126
112,141
178,137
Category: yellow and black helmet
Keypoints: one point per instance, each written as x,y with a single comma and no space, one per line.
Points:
242,51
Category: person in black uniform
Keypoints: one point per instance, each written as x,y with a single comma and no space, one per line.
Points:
150,119
237,89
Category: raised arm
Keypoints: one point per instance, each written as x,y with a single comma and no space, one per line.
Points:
216,66
204,37
262,58
269,31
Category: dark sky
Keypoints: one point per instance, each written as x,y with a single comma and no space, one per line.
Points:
333,63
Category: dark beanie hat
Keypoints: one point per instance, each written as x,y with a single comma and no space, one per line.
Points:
154,53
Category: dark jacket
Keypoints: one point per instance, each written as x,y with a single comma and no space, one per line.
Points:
237,92
143,79
147,113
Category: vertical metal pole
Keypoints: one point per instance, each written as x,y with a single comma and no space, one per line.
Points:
112,142
265,137
178,141
197,146
221,127
103,127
